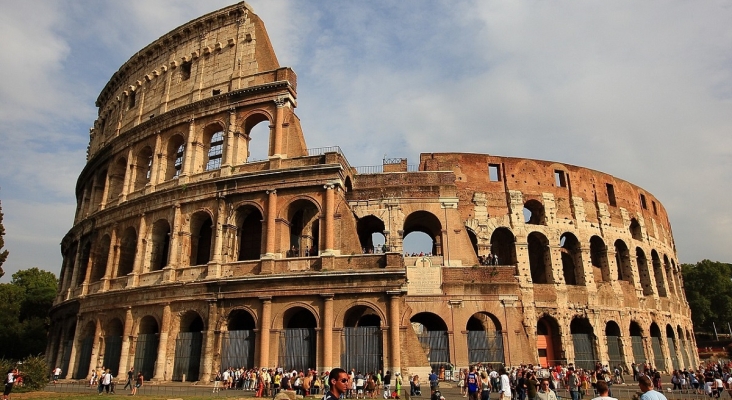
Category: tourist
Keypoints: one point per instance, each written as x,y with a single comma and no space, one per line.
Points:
338,383
545,392
603,391
138,383
646,386
505,393
9,382
472,383
56,373
130,376
485,386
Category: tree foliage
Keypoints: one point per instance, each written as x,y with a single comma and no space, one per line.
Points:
708,286
3,253
24,306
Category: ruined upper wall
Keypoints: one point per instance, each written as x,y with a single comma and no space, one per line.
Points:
215,54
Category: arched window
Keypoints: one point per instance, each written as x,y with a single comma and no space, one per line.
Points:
215,151
534,213
174,154
635,229
178,165
540,261
572,265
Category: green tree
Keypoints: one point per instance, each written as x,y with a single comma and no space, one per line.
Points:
708,286
3,253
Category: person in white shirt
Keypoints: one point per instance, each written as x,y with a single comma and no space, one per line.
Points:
505,393
10,380
56,373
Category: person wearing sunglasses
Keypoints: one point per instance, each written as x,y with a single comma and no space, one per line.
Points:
338,379
545,392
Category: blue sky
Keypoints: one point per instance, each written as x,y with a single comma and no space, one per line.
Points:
640,90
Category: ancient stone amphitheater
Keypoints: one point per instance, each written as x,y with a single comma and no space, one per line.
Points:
186,255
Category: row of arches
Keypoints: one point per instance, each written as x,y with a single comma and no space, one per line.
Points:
650,345
154,162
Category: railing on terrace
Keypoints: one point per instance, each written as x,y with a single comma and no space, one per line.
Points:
319,151
379,169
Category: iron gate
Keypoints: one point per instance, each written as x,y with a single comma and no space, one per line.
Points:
684,354
485,347
187,356
658,360
639,355
146,353
112,353
672,351
297,348
584,351
84,358
613,350
237,349
66,357
362,349
437,346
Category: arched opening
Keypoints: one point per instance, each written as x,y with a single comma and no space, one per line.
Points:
98,190
583,339
201,238
238,342
485,340
83,263
548,342
540,260
188,347
572,266
85,351
304,228
366,228
534,213
503,245
160,248
117,173
635,229
298,340
67,345
113,345
143,167
614,343
645,276
636,341
362,340
213,136
348,184
249,228
99,266
174,157
473,240
671,342
598,256
659,274
127,252
146,349
432,334
428,224
670,276
622,260
659,360
683,347
257,133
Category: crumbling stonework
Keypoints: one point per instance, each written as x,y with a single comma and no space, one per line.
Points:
187,256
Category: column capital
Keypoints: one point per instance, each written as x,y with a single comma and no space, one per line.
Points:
271,191
265,299
327,296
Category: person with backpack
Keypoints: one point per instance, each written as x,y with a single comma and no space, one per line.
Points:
9,382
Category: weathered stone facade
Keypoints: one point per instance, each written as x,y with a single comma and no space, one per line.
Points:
186,255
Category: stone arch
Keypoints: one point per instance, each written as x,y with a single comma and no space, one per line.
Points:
160,249
127,251
534,213
432,333
113,331
366,227
598,257
249,219
635,229
143,167
100,182
348,185
175,153
614,343
264,148
298,341
83,261
645,277
540,260
188,346
636,340
239,339
572,265
213,137
201,229
659,361
659,274
503,245
549,341
583,339
303,215
671,343
670,276
99,266
146,347
427,223
485,339
473,239
362,339
84,352
622,260
116,177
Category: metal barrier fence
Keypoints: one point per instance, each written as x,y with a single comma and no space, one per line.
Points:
173,391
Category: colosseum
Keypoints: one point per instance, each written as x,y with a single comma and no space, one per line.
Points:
187,255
